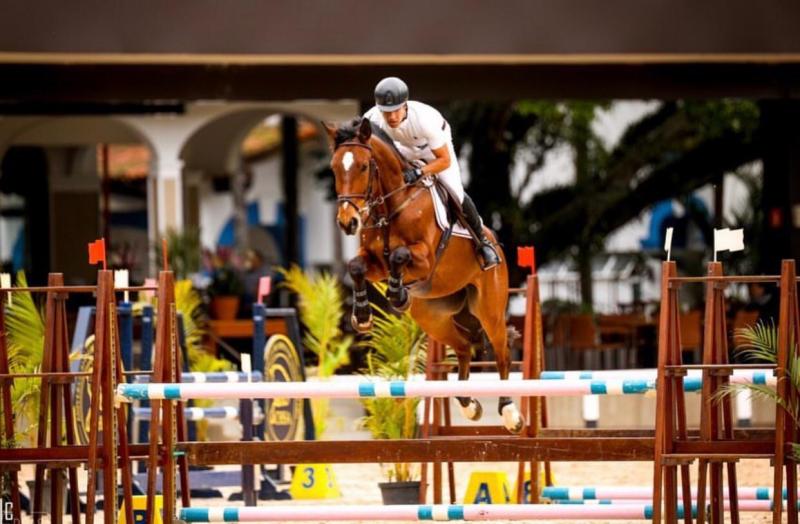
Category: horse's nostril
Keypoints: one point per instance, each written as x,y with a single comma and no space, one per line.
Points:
352,226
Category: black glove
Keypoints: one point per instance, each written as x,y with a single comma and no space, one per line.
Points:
411,174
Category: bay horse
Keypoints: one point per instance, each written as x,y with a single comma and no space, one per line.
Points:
451,298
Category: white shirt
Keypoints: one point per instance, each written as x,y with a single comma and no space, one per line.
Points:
423,130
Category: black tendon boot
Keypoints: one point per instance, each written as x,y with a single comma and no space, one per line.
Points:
484,247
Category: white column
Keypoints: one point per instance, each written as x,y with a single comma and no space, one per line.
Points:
169,195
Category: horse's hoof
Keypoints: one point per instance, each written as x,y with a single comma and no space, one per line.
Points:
473,410
512,419
518,428
403,307
361,327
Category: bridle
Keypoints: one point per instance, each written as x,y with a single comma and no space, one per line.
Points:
365,196
369,219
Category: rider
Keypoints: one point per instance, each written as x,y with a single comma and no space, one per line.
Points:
423,136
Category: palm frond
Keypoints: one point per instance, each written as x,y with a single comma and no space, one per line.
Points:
321,305
25,347
760,342
25,327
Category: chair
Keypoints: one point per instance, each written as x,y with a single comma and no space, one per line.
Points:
622,330
556,337
585,348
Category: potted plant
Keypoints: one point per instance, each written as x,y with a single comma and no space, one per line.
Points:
398,350
226,287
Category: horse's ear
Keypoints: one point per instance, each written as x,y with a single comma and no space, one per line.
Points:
364,130
331,130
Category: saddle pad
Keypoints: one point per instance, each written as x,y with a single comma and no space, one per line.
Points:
441,215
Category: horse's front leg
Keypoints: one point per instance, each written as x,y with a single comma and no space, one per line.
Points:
361,319
413,262
397,293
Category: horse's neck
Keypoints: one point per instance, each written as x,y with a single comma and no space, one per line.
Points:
390,168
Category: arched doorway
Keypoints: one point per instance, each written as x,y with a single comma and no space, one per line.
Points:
66,181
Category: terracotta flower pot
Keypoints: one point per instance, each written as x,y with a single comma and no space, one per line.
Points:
225,308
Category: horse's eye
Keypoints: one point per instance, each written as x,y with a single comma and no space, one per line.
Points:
363,167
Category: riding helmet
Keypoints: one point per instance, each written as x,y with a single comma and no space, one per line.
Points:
390,94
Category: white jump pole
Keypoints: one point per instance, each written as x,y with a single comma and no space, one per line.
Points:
616,493
467,512
411,513
402,389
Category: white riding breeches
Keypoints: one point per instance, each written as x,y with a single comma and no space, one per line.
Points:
451,177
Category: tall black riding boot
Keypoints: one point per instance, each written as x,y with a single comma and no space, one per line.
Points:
482,244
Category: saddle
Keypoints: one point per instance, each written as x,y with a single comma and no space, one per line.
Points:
454,210
455,216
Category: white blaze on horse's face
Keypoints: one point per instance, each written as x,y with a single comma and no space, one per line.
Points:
347,160
351,173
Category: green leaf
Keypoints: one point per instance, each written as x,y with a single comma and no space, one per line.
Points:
25,346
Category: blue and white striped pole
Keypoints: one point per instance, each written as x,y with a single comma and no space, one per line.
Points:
194,413
213,377
758,374
403,389
617,493
412,513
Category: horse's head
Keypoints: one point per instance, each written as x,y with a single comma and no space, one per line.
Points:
355,171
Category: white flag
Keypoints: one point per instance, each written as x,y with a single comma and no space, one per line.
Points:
668,242
121,280
728,240
736,240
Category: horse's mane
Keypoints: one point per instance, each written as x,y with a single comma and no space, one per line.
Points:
349,131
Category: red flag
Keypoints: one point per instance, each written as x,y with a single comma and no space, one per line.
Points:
264,287
97,252
526,258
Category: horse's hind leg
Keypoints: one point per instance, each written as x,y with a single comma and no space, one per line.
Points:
361,318
441,320
470,407
492,318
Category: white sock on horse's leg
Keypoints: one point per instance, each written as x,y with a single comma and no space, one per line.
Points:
512,419
472,411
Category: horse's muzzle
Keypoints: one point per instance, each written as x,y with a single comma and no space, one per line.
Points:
351,228
348,220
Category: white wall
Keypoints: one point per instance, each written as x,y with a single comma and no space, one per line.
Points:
217,208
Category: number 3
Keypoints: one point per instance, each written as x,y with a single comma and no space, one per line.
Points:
310,482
